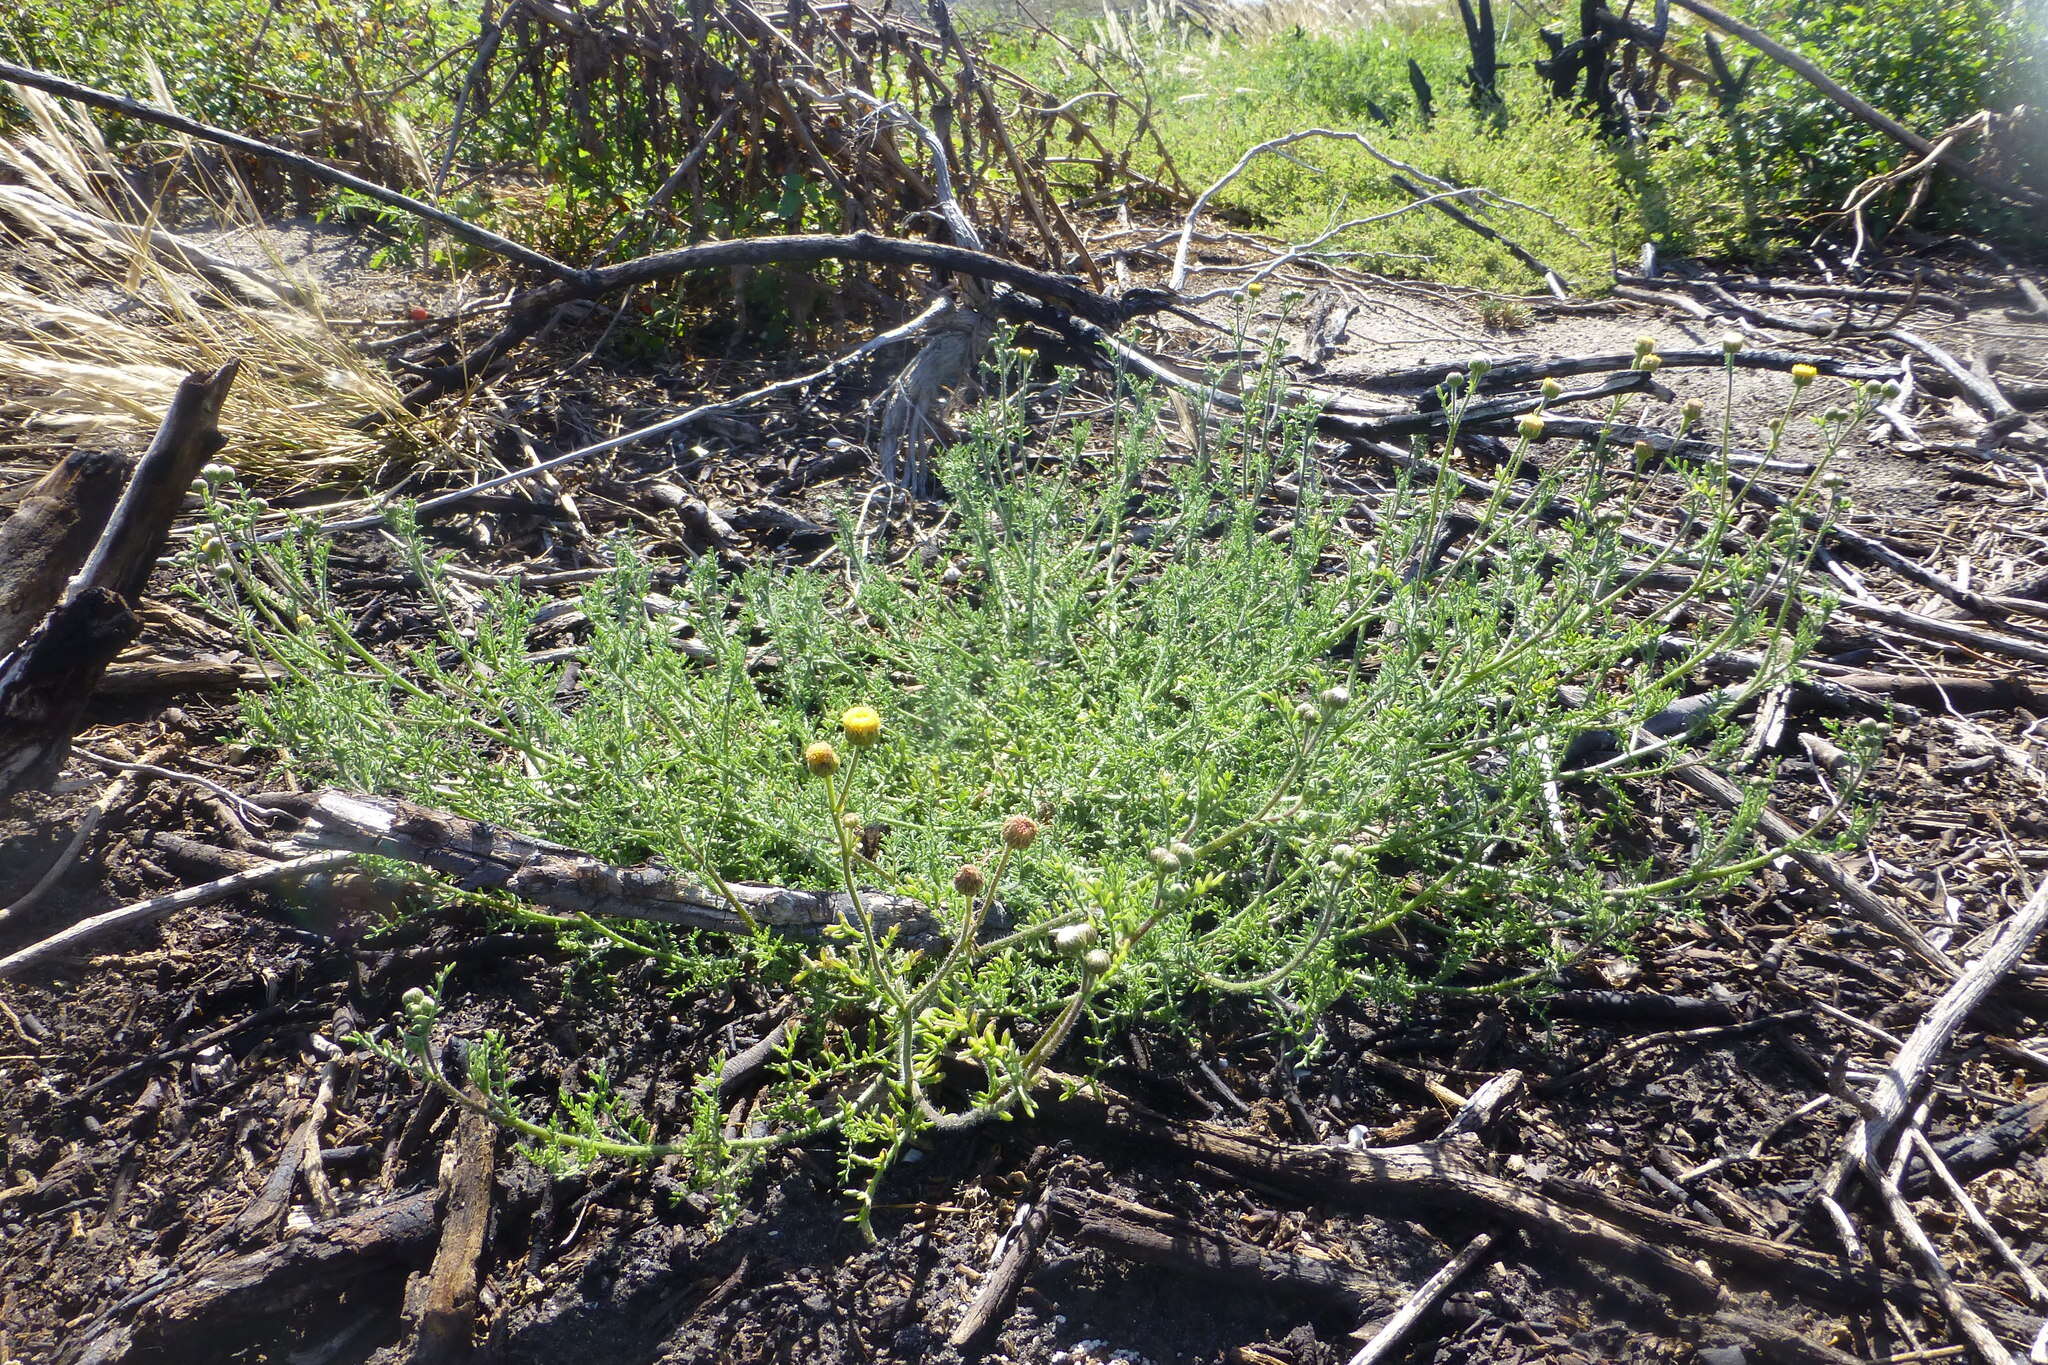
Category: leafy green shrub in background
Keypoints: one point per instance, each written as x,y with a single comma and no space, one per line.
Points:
236,63
1720,179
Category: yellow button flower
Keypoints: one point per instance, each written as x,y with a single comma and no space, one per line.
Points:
1803,374
862,724
822,759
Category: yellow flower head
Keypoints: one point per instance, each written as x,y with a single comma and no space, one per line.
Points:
862,724
1803,374
1551,388
1644,345
1650,362
822,759
1531,425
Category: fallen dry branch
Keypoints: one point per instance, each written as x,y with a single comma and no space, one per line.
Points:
1160,1238
90,931
191,1319
1516,371
45,685
1429,1176
481,857
529,312
998,1289
442,1306
1895,1091
1422,1302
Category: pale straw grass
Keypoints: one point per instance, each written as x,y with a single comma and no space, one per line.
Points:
92,352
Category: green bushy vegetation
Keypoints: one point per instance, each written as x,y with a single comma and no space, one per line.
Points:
1706,178
1748,175
1212,99
1198,741
1703,178
238,63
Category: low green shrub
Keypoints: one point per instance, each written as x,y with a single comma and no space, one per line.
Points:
1195,726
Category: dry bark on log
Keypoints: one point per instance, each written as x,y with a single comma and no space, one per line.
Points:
1160,1238
1433,1175
446,1316
44,687
251,1293
1005,1277
49,535
478,856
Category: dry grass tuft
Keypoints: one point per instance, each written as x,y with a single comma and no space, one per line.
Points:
92,352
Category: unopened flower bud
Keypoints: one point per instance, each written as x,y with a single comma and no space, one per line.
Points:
416,1003
1096,961
1074,939
1890,390
1480,369
1693,410
1643,451
1335,698
1551,388
1163,858
1018,832
821,758
1308,714
1343,855
1644,345
1183,851
1531,425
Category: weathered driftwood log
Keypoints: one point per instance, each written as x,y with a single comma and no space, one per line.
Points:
45,685
478,856
49,535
